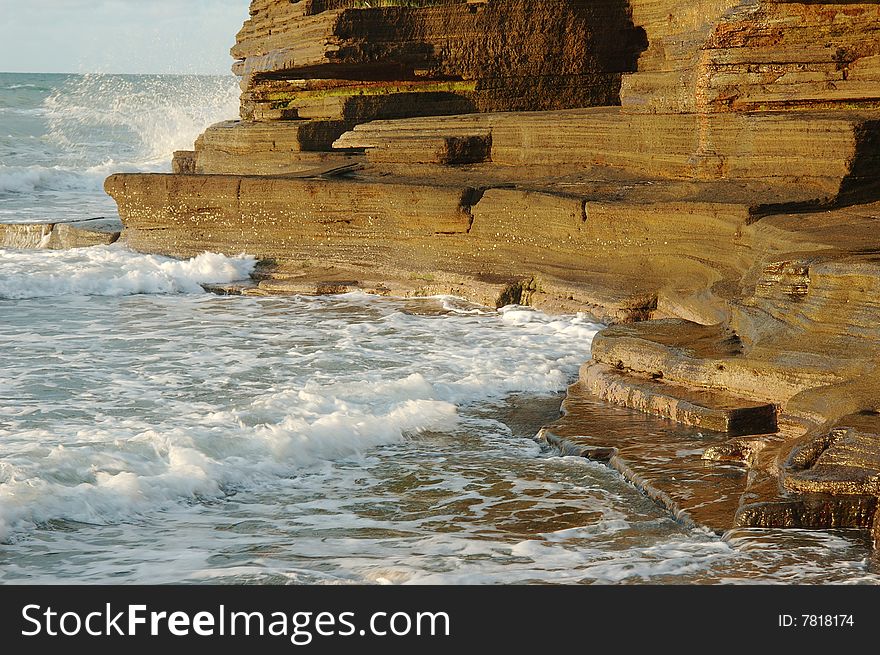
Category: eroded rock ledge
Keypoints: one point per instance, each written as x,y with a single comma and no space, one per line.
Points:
705,176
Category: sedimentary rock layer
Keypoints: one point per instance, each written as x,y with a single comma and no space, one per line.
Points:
505,55
235,147
802,157
739,55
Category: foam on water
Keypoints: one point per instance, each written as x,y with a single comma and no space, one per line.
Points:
201,409
111,271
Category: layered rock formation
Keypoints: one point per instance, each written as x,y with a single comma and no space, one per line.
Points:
704,175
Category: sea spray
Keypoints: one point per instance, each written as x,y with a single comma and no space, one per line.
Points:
152,115
62,135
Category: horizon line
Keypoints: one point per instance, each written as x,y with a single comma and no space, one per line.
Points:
229,74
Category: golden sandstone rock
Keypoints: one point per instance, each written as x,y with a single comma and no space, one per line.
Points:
704,175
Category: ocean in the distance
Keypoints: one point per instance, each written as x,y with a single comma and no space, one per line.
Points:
151,432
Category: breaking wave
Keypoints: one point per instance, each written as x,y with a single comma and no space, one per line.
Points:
112,271
28,179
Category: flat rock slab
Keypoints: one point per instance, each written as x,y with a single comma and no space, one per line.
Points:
825,149
766,504
810,512
662,459
61,236
667,462
845,461
709,409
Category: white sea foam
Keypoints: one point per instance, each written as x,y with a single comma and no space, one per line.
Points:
97,479
142,409
111,271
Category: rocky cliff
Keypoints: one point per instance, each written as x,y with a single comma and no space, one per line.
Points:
703,175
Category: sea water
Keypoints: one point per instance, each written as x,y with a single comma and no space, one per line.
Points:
62,135
153,432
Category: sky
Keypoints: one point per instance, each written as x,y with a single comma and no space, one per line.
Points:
119,36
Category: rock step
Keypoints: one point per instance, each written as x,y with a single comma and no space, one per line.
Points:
669,464
603,234
251,148
247,137
334,221
662,459
450,148
826,149
811,512
704,408
497,236
843,461
765,505
679,351
267,99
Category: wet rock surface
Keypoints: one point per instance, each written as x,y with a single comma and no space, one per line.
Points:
663,460
846,461
61,236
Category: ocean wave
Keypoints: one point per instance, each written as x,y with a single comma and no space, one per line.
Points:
158,469
28,179
112,271
23,180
